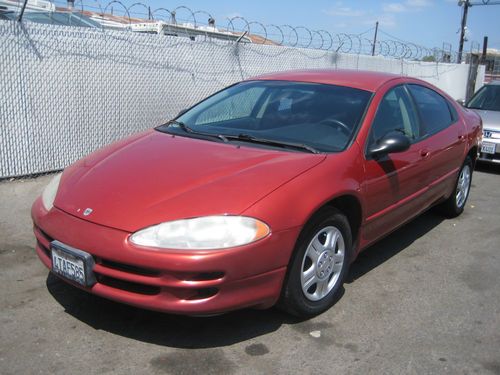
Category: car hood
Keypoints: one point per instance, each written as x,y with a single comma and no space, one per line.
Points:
155,177
491,119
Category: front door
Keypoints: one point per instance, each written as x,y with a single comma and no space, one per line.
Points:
393,183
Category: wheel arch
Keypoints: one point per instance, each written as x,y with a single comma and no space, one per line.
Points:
473,155
350,205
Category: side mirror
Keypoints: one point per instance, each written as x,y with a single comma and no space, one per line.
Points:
461,102
392,142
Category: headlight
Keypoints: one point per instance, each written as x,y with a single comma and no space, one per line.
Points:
49,194
203,233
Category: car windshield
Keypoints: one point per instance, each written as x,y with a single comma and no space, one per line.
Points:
488,98
308,116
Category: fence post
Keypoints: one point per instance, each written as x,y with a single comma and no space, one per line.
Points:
471,79
20,17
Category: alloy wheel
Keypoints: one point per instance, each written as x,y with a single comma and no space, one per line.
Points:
463,186
322,263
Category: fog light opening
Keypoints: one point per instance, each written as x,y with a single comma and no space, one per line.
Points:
206,276
203,293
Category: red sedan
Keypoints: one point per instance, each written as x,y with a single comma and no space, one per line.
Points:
263,193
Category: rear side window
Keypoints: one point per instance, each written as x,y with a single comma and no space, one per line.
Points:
454,114
434,110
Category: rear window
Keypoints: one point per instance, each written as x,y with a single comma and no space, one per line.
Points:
434,110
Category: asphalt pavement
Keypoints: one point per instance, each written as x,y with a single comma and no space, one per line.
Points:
426,299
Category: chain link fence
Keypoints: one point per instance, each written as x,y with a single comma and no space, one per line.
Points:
144,17
66,91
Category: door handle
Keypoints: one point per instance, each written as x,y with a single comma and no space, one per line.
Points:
424,153
461,137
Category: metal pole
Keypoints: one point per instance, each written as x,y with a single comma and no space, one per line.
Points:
20,17
241,37
375,39
466,5
485,49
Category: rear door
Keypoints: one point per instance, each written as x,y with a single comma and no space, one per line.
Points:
443,139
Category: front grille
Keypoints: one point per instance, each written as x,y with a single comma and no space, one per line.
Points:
43,240
491,134
47,237
127,285
44,249
127,267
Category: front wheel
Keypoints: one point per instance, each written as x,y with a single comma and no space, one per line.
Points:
455,204
319,265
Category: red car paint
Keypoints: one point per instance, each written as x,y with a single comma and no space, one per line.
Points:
155,177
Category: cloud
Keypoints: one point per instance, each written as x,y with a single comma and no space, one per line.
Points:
386,16
344,12
394,8
418,3
406,6
341,25
234,15
384,20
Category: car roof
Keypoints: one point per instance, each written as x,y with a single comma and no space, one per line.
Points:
364,80
493,83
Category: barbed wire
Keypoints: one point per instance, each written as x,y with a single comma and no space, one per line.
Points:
182,20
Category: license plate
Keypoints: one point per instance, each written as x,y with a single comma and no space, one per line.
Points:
488,148
72,264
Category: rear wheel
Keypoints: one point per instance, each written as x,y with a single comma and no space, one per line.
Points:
455,204
319,265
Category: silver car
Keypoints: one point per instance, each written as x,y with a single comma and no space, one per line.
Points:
486,102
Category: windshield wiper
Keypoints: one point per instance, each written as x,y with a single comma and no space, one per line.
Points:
244,138
181,125
251,138
187,129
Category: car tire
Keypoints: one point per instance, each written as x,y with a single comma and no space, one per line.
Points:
455,204
319,265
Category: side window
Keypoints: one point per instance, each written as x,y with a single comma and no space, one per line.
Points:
395,113
434,110
234,107
453,111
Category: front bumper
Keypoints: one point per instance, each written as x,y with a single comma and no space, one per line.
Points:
181,282
487,157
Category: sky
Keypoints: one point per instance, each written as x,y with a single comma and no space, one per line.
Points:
424,22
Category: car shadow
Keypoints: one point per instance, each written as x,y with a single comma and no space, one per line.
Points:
165,329
393,244
216,331
487,167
